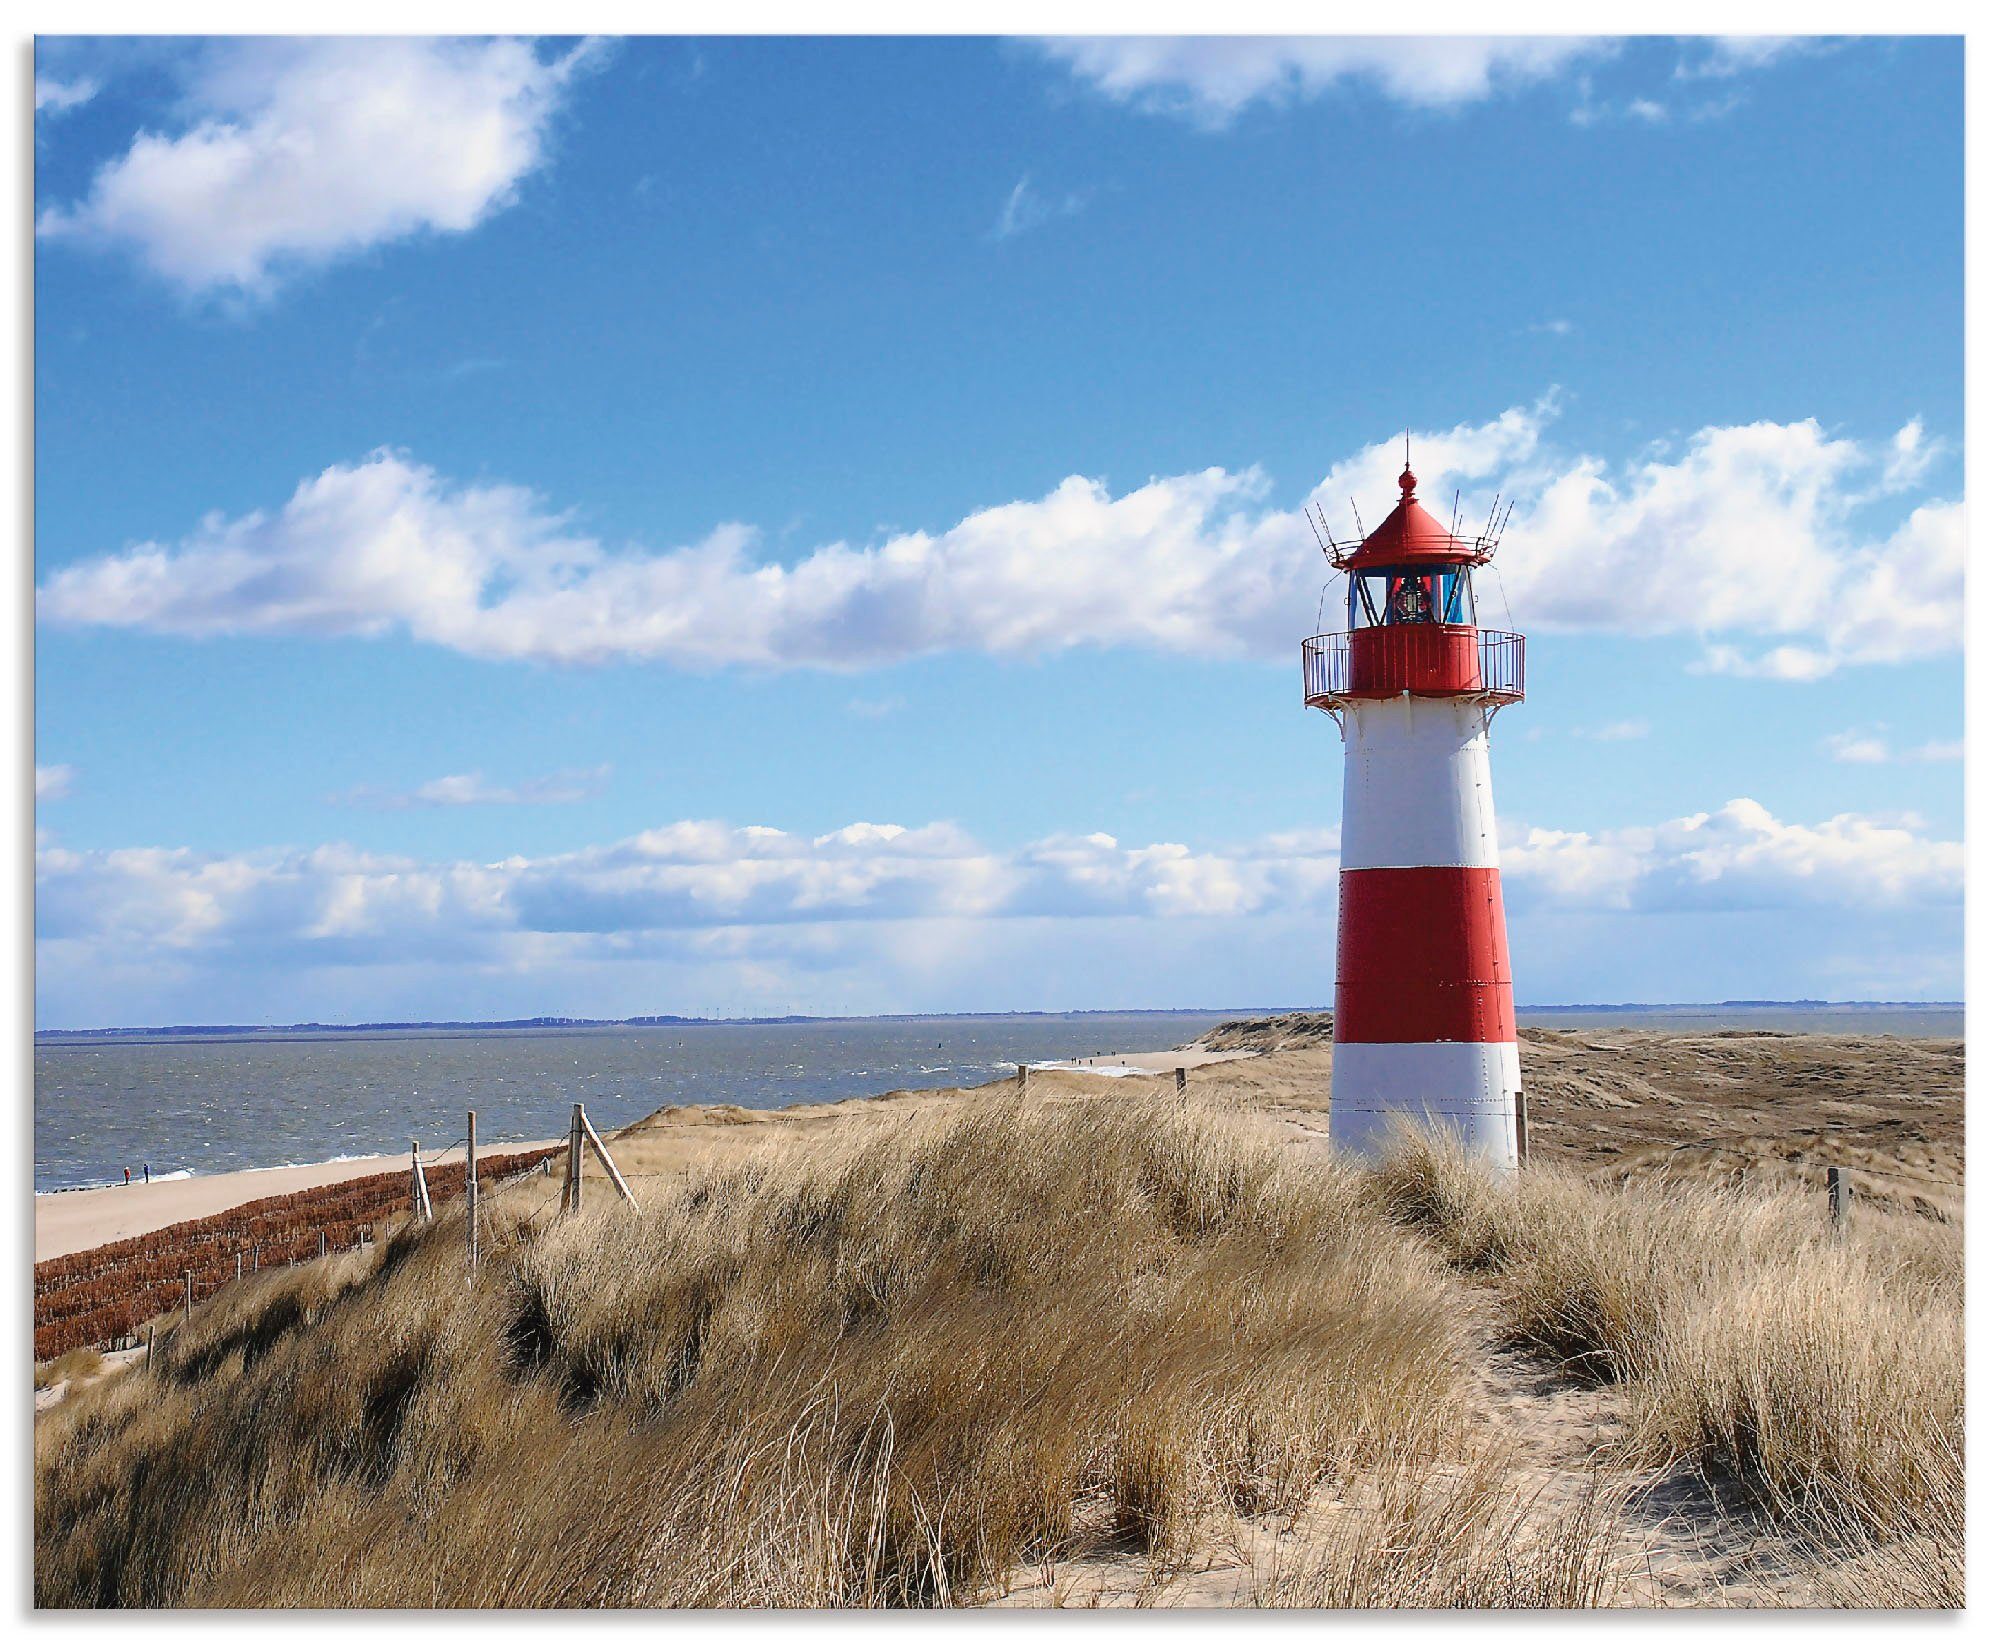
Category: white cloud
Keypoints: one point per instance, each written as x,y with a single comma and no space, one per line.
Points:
1723,55
53,96
1795,664
52,781
298,152
1853,747
441,792
1748,530
337,904
1911,457
1738,857
1213,79
1026,208
1619,730
1748,539
1872,747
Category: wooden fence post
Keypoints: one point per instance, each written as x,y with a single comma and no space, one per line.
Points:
472,1187
256,1256
187,1278
420,1189
1521,1126
322,1243
1838,1197
149,1346
604,1156
573,1183
239,1266
1180,1082
1020,1078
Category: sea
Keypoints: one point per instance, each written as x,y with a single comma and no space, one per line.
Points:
189,1103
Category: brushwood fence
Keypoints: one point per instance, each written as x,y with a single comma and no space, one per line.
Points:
98,1297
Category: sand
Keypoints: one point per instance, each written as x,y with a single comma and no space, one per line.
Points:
66,1222
1146,1061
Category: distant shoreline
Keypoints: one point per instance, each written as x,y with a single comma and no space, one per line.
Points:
307,1030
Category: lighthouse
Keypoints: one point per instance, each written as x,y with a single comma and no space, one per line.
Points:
1423,995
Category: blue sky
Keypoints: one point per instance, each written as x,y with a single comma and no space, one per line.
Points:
600,527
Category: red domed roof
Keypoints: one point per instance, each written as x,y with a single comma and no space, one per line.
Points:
1410,536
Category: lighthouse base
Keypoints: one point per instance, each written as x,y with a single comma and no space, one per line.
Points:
1474,1089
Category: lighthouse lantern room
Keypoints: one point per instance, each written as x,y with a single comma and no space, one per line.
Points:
1423,994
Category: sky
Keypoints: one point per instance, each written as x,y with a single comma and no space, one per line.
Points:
594,527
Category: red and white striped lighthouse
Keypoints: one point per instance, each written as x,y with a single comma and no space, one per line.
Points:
1423,995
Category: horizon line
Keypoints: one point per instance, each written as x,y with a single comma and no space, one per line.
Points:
666,1019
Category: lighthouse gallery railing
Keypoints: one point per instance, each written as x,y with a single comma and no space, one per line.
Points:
1329,668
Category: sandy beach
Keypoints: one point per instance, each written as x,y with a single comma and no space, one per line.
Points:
66,1222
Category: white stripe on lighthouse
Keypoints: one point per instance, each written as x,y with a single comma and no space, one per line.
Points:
1472,1088
1419,785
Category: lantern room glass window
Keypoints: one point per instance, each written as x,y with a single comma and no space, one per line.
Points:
1396,598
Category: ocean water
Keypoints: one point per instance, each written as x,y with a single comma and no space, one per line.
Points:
249,1102
258,1101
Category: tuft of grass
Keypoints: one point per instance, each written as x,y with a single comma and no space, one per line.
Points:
883,1373
1821,1374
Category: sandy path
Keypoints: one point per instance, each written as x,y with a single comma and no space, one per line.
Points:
66,1222
1148,1061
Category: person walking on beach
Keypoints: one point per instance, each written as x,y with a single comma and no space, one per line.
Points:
128,1175
148,1168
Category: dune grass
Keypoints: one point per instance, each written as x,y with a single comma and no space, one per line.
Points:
881,1374
1821,1375
904,1370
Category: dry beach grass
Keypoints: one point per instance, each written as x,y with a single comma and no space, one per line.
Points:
1091,1347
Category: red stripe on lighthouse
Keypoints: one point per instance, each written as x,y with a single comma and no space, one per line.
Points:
1423,957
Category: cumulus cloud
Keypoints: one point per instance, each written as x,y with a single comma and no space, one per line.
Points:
1751,539
1211,79
52,781
54,96
451,792
1740,856
337,904
294,153
878,916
